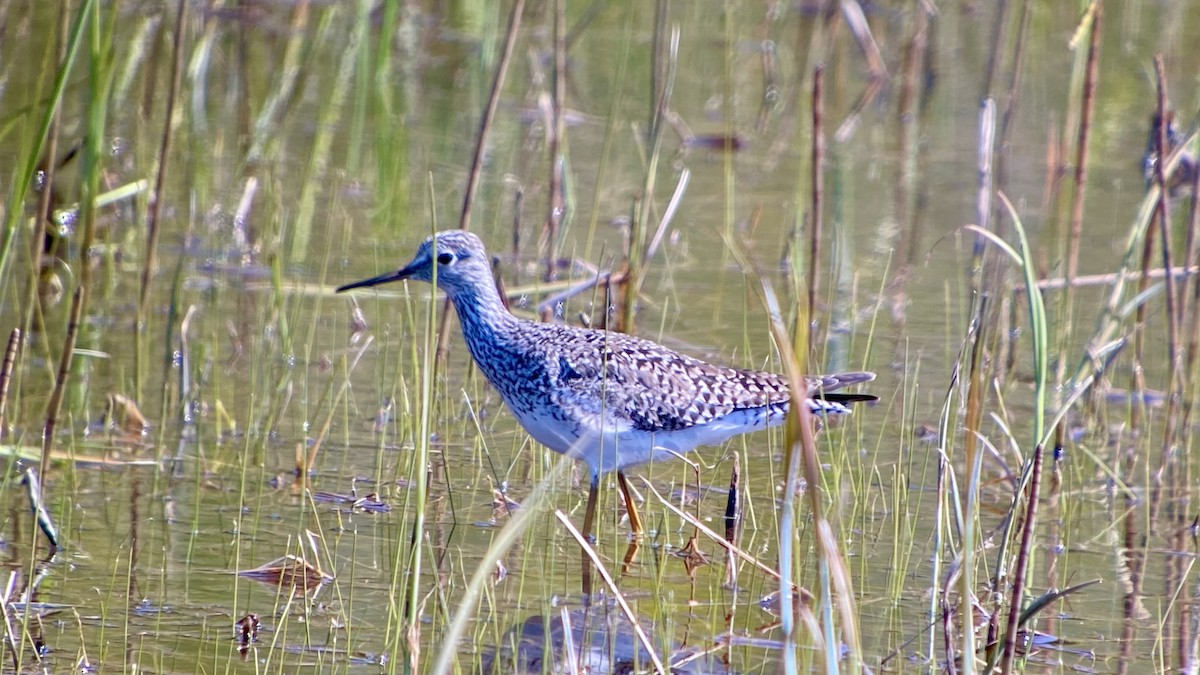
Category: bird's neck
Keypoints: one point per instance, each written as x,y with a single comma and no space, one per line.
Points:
484,318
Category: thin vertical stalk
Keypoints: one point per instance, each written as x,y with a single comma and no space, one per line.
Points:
1163,216
802,460
10,359
421,477
905,186
656,70
996,49
610,129
1032,475
1023,555
481,141
733,518
1168,476
589,15
983,198
157,198
99,82
1186,648
557,204
47,181
987,282
23,179
1088,106
818,194
164,155
908,119
800,445
1193,341
1164,199
245,114
1012,98
972,459
941,504
639,227
328,117
521,520
266,125
489,114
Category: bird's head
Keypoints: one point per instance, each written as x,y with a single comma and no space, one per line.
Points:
455,258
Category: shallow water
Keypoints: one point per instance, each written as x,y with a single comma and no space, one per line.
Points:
268,364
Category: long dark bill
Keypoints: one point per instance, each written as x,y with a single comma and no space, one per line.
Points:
847,398
398,275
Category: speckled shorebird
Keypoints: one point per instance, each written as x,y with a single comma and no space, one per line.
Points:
609,399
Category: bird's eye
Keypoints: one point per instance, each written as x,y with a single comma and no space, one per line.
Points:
445,258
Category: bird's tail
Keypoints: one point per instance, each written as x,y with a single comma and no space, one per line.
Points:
836,404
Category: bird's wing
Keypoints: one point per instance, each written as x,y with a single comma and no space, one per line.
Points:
823,384
652,388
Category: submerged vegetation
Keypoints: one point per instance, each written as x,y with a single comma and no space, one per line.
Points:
215,464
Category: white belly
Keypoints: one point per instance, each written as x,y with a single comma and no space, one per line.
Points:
612,445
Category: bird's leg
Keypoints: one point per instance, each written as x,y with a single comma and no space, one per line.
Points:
635,520
589,515
589,512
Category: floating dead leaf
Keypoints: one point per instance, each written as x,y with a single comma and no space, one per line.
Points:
717,142
123,414
369,503
40,609
247,631
693,558
1030,642
502,506
288,571
771,603
926,433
